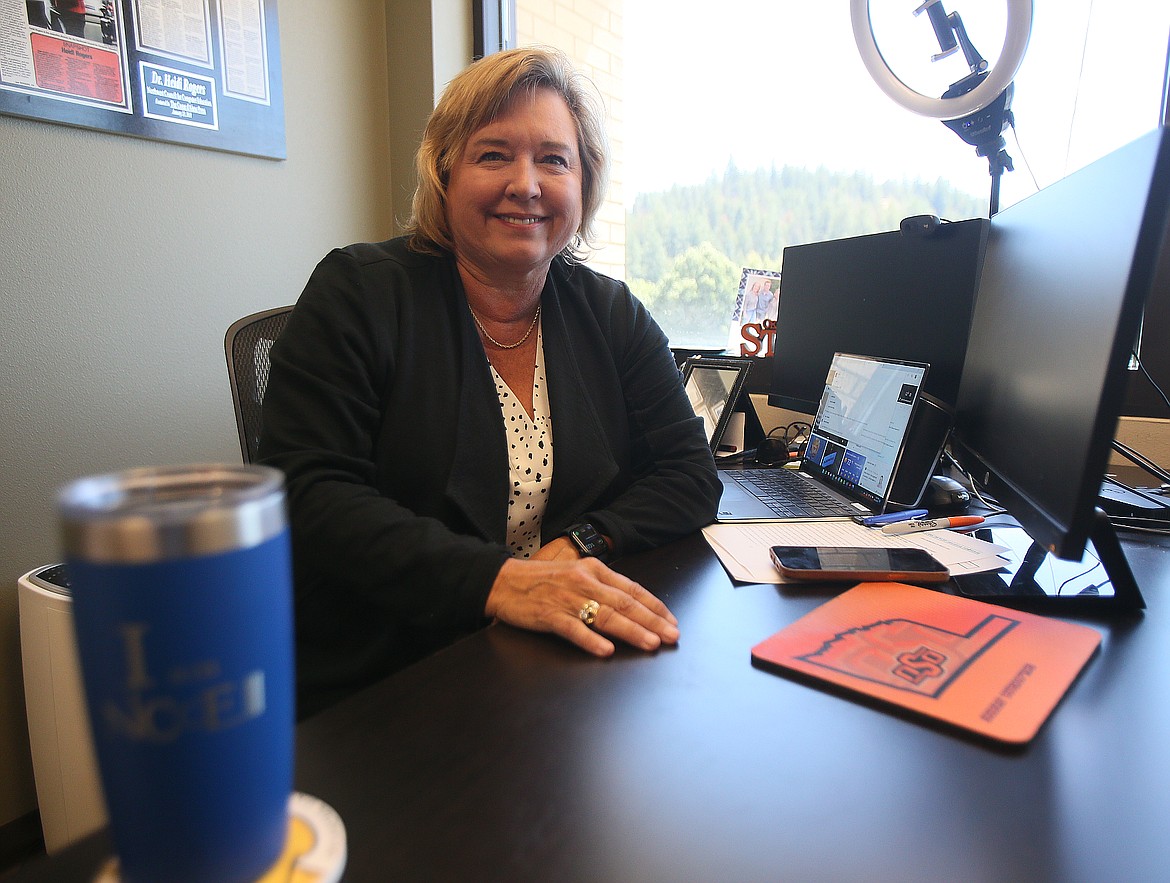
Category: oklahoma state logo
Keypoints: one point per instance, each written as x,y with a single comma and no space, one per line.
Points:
909,655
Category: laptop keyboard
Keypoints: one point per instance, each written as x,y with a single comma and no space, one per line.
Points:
789,494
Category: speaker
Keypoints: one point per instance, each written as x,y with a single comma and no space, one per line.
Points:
930,426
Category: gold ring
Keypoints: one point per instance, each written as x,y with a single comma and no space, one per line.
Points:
588,612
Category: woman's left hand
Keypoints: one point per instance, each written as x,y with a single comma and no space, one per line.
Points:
552,591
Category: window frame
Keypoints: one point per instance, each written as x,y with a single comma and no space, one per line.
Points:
493,26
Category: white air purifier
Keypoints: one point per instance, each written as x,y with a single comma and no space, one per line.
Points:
68,787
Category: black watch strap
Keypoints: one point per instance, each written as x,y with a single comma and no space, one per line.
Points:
589,541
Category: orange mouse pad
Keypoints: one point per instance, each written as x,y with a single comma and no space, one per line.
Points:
988,669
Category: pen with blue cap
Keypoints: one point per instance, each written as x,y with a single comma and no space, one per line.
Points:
890,517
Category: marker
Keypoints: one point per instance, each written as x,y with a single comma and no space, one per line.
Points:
890,517
931,524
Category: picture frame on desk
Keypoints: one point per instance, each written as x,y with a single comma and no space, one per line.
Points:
753,320
718,392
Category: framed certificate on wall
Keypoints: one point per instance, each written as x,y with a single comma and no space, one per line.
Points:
199,72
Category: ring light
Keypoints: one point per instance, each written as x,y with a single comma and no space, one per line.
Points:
1019,28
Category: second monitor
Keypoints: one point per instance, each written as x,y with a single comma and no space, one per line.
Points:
893,295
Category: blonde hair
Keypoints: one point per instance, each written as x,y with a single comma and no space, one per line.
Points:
476,97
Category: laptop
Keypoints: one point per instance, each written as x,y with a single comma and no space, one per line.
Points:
852,454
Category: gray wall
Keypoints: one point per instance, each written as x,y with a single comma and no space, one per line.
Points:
123,261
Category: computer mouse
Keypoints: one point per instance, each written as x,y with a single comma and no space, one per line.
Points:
944,494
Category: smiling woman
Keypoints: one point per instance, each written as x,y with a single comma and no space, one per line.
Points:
481,334
514,203
464,112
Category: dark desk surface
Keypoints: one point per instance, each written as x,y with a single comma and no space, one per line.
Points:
512,756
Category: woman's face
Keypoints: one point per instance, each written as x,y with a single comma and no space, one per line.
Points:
514,194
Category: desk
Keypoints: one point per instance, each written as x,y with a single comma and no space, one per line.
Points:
512,756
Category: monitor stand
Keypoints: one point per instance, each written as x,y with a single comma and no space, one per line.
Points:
1101,582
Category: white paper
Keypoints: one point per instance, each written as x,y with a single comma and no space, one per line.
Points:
743,548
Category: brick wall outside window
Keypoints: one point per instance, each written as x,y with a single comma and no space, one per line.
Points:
590,33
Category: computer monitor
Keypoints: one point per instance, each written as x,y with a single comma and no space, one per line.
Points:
892,295
1066,274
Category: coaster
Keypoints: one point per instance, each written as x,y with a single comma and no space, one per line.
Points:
315,851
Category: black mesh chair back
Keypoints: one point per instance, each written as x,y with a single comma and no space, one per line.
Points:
247,344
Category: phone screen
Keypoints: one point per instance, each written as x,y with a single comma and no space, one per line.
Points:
858,562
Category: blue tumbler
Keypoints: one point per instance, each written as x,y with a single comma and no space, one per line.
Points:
182,603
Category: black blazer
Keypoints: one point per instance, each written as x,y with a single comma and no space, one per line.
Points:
382,413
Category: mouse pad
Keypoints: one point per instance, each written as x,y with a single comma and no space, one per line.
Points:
993,671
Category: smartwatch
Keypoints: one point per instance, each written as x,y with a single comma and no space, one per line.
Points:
589,541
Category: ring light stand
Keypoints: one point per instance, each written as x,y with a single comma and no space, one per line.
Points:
978,107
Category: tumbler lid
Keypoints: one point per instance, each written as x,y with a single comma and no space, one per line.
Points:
160,513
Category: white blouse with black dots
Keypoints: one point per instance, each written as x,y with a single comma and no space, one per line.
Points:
530,458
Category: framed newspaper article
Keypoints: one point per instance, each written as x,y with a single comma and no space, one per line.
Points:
199,72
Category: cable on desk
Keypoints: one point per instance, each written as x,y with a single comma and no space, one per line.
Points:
783,445
1095,563
1141,367
987,501
1125,450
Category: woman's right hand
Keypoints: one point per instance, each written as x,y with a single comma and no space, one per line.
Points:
549,592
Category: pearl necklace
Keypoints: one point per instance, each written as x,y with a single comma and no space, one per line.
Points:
506,346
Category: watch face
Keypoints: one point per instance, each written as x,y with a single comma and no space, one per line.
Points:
589,541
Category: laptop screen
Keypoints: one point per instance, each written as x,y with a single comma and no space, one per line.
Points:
861,424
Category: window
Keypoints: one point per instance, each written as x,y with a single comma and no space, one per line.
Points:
740,133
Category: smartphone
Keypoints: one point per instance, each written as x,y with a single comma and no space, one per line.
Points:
859,564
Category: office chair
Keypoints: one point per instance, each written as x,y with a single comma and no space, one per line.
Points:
247,344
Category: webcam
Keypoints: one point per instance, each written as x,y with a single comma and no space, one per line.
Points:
920,225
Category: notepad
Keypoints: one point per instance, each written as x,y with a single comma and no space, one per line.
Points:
980,667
